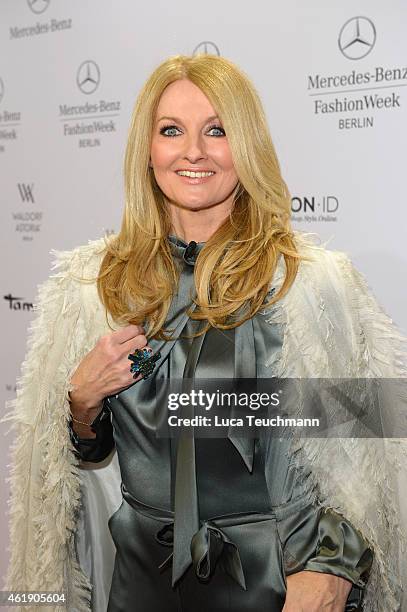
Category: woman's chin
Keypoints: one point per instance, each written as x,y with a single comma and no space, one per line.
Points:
192,204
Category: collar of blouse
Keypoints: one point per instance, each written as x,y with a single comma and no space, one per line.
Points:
186,251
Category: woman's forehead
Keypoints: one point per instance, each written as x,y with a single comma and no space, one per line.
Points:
183,96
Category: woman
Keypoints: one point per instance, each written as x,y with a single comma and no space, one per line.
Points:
212,260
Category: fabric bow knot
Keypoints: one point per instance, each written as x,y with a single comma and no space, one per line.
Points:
209,546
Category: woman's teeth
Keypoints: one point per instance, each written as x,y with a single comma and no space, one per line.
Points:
194,174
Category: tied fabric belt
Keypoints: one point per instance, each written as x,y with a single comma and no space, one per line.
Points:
210,546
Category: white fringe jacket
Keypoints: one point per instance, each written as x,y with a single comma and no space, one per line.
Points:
333,327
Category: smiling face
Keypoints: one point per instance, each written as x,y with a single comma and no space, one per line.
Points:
187,136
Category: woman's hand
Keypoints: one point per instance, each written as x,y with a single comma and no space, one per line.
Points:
104,371
313,591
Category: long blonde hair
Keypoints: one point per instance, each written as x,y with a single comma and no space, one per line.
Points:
233,271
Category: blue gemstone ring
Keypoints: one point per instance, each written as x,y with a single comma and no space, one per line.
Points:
143,362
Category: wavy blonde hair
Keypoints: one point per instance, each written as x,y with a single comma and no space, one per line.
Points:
233,271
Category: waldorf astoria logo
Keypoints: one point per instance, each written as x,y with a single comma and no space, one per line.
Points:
314,209
358,98
89,123
206,46
27,222
26,192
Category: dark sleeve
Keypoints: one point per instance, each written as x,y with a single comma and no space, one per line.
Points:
95,449
343,551
340,549
319,539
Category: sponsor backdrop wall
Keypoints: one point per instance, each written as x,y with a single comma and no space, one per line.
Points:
332,77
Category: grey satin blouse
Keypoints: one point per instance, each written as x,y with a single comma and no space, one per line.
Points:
212,524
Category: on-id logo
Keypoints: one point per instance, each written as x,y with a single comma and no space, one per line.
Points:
38,6
88,77
26,192
206,47
357,37
1,89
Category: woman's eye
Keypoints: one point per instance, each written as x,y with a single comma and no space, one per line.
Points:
216,127
167,128
170,130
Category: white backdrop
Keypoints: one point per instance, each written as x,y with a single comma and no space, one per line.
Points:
331,76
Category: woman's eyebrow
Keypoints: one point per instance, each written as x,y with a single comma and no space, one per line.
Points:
180,121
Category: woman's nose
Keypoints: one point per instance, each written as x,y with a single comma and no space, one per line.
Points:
194,148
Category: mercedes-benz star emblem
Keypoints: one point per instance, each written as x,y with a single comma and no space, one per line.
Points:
88,77
206,47
1,89
357,37
38,6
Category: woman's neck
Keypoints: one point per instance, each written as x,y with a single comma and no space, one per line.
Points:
197,225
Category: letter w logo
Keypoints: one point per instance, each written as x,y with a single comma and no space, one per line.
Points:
26,192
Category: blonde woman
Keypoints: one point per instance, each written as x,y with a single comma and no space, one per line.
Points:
207,279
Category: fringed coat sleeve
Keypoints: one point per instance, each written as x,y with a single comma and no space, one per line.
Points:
337,329
44,477
381,351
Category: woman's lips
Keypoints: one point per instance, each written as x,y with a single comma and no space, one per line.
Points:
195,180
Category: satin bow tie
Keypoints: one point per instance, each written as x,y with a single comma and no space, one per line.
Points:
186,520
209,546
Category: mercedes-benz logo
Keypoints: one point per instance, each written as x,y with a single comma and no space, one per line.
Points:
206,47
88,77
1,89
38,6
357,37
